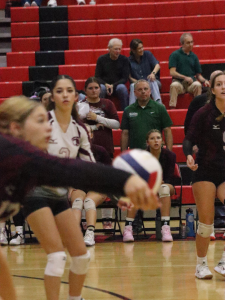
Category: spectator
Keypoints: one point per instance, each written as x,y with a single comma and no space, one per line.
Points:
167,160
102,117
143,65
142,116
112,70
185,70
45,98
197,103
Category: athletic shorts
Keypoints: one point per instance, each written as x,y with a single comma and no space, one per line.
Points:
31,204
205,174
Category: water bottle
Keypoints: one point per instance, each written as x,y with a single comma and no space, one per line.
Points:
190,222
183,231
158,225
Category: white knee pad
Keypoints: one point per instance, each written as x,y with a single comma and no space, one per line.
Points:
56,264
205,230
164,191
89,204
77,204
80,264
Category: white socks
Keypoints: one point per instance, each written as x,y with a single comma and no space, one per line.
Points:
200,260
223,257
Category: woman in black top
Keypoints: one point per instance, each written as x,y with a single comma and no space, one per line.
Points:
23,167
207,131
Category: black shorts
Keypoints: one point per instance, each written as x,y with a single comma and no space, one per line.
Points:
205,174
31,204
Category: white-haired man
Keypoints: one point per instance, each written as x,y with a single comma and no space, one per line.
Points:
112,70
185,70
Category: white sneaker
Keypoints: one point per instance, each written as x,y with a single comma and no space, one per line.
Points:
26,4
220,268
52,3
34,3
17,239
92,2
81,2
202,271
3,237
89,238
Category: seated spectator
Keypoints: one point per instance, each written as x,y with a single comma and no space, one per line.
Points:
45,98
112,70
167,160
143,65
102,117
53,3
185,70
88,200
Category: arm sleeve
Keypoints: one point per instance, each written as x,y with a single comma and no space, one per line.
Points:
125,121
152,60
110,123
173,60
44,169
165,118
198,68
187,147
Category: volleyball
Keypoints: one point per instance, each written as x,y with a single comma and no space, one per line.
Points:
143,163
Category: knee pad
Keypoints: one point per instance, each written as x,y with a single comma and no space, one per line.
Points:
89,204
77,204
164,191
80,264
56,264
205,230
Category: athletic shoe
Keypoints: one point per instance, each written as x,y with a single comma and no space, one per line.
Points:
107,225
128,234
3,237
166,234
26,4
92,2
34,3
220,268
52,3
89,238
17,239
212,236
202,271
81,2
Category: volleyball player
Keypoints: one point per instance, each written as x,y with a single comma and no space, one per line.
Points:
23,166
207,131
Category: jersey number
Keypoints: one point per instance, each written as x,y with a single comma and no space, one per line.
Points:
65,152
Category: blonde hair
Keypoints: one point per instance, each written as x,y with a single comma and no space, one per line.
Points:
15,109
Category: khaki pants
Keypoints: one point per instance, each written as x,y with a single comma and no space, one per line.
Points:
178,87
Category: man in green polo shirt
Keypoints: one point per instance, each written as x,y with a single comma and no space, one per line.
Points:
185,70
142,116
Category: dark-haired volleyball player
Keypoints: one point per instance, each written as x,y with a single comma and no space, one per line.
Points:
207,131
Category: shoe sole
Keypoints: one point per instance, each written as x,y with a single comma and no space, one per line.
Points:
219,272
206,277
89,245
128,241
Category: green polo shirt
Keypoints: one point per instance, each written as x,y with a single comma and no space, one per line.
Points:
140,120
187,65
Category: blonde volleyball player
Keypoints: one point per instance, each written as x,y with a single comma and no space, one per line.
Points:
23,166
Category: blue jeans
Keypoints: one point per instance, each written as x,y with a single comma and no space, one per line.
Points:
120,92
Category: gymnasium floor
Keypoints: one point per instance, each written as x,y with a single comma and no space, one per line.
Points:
138,271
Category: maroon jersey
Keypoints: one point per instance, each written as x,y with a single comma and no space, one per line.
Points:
103,137
209,135
23,166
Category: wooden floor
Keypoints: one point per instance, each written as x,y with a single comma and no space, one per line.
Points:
137,271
